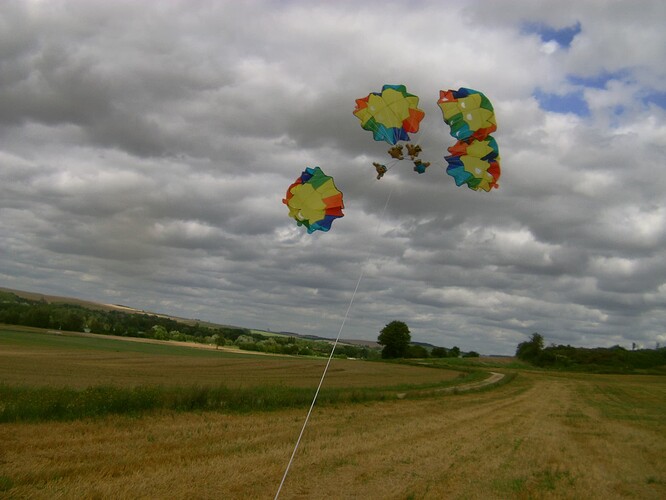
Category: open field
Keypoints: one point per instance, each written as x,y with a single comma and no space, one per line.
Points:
34,358
544,435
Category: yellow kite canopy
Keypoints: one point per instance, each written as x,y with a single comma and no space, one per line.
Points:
475,163
391,114
314,201
468,112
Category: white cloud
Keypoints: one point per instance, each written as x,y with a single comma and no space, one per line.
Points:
145,150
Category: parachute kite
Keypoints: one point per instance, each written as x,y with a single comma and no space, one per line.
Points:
475,163
468,112
474,159
391,115
314,201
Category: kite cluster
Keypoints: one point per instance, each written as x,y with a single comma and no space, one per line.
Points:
474,159
392,115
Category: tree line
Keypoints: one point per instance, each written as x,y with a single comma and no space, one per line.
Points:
15,310
601,359
394,337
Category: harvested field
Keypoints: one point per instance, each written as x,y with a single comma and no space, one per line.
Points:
544,435
80,361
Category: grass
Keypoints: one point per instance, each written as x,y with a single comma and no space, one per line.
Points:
78,361
486,363
36,404
543,435
633,400
12,336
92,376
27,404
514,442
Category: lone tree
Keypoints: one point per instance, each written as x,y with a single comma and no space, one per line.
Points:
395,338
530,350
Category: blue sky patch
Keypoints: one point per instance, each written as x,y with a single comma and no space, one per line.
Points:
655,97
565,103
599,80
563,36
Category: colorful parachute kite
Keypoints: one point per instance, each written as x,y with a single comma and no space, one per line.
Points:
390,115
314,201
468,112
475,163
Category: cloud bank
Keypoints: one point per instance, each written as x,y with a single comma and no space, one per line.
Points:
145,150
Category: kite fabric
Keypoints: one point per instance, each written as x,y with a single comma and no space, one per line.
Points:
391,115
475,163
314,201
474,159
468,112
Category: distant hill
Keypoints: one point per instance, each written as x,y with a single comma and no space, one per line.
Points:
55,299
88,304
97,306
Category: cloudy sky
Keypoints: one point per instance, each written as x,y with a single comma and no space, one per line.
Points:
145,148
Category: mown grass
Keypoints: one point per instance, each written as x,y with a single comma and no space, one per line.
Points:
95,419
466,364
542,436
79,362
636,399
87,377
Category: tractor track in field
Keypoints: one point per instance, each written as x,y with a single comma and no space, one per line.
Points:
493,379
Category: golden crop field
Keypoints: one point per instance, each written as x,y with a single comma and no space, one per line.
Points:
35,358
544,435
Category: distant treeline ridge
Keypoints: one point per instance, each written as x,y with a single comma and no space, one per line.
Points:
15,310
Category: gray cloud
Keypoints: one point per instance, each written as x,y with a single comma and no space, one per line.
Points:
145,150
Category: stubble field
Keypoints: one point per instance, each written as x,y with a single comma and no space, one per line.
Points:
544,435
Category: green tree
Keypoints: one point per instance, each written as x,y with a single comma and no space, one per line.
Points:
417,351
39,316
439,352
218,340
73,322
454,352
159,333
395,338
530,350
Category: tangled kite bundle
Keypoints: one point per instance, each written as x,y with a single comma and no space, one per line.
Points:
474,159
392,114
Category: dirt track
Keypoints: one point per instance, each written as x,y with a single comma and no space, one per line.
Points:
494,378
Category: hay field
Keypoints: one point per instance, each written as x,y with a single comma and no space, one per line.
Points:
33,357
544,435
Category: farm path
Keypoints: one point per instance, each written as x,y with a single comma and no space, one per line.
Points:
494,378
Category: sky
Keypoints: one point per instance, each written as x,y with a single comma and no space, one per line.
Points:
146,147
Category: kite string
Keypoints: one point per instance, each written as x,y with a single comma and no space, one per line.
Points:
330,356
